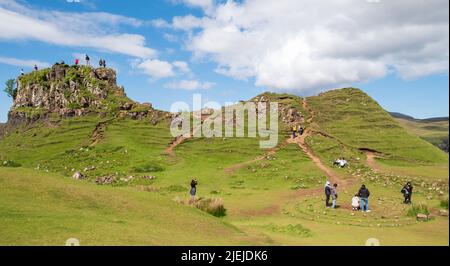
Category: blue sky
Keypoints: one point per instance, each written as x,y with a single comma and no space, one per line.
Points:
166,50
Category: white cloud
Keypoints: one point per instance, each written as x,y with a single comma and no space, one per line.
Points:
96,30
189,85
206,5
182,66
155,68
303,45
22,62
158,69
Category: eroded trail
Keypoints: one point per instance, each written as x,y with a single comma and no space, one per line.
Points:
301,141
371,161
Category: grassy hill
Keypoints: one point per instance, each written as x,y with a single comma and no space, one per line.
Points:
357,121
272,197
434,130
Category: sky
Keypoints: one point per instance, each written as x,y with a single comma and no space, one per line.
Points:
164,51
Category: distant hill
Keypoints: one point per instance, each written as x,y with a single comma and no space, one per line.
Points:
410,118
433,130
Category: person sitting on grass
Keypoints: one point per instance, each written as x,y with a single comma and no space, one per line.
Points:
364,194
355,203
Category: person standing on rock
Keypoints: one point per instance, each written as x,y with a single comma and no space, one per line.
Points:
21,72
104,63
327,194
334,196
88,60
193,191
407,192
364,194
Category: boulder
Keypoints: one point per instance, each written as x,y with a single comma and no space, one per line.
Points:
422,217
106,74
443,213
105,180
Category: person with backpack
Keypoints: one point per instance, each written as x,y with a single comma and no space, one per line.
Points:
364,194
36,68
334,195
407,192
327,194
193,191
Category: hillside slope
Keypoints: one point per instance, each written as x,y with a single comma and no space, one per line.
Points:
38,209
271,196
357,121
434,131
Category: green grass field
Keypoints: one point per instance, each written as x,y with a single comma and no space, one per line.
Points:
432,131
272,197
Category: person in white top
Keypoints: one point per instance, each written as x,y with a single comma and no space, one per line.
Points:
355,203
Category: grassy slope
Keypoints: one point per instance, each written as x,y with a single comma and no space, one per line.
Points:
47,209
260,197
357,120
434,132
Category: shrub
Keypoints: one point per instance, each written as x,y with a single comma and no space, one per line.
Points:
444,203
148,168
8,163
176,188
419,208
212,206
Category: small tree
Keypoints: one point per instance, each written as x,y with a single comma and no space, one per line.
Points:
10,88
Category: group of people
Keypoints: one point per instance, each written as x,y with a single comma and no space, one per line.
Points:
360,202
297,130
101,62
341,163
22,72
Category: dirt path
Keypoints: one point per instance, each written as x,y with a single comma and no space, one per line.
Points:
180,139
99,132
371,161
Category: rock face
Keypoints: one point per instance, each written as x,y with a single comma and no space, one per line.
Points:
70,91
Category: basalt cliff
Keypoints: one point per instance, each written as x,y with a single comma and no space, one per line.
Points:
68,91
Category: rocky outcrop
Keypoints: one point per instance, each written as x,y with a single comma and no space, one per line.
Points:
69,91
